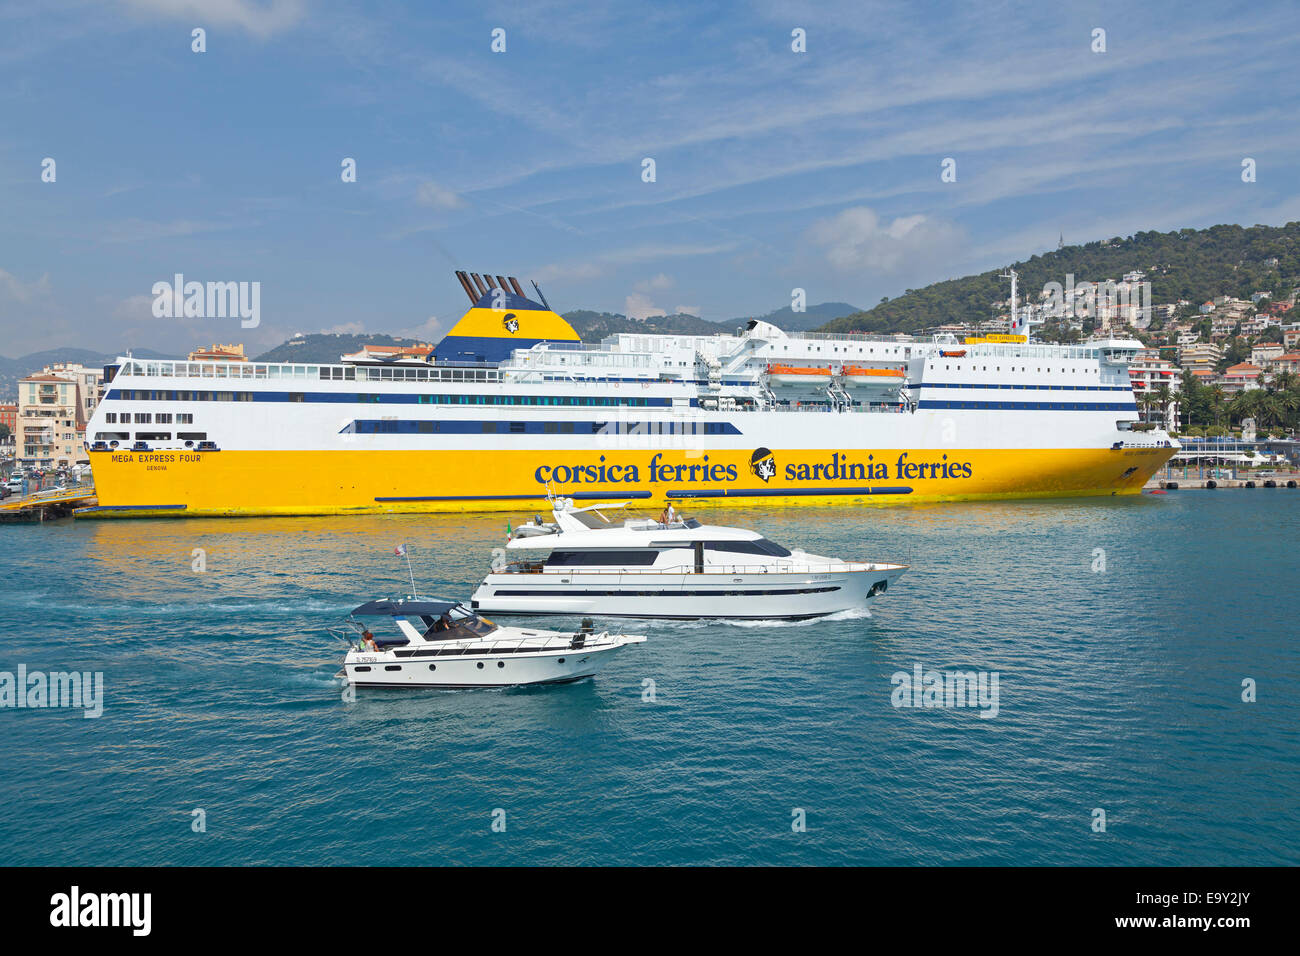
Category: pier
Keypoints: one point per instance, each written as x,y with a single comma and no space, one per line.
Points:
47,505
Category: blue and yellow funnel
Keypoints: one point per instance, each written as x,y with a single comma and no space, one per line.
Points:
500,319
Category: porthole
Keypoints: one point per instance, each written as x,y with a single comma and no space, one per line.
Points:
501,663
392,667
560,661
433,667
361,669
480,665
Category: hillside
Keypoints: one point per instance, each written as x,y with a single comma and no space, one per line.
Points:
593,326
326,347
1192,264
811,318
12,369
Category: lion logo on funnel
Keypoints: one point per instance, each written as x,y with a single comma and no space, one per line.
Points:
763,464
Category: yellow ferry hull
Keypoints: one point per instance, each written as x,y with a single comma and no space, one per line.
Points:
245,483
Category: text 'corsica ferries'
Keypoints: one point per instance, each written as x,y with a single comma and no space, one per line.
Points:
511,406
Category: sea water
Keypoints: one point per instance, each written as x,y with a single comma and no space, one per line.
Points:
1146,713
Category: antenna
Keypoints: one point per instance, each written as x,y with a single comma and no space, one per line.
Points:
400,551
540,296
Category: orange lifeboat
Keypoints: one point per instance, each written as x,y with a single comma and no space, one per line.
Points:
858,376
799,375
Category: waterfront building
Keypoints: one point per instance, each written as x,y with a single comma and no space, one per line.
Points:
218,353
1200,355
1241,377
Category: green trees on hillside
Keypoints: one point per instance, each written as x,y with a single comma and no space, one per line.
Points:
1192,264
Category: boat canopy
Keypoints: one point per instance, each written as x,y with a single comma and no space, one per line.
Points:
414,608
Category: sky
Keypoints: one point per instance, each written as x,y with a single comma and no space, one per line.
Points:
774,169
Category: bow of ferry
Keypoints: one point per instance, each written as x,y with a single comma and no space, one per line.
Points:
511,406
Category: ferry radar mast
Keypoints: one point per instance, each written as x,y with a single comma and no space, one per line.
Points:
1011,274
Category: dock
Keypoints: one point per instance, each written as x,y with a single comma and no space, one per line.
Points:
1193,482
47,505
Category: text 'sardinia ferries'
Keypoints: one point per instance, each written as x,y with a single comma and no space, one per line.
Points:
582,562
511,404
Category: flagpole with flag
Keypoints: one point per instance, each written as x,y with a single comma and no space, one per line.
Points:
400,551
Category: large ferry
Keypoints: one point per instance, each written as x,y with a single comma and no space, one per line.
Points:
511,406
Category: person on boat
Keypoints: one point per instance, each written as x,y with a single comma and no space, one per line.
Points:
369,641
443,623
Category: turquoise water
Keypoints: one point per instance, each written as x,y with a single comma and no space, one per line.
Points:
1118,689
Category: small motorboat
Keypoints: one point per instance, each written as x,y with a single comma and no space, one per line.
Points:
435,643
583,562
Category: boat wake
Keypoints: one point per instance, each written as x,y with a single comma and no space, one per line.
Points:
851,614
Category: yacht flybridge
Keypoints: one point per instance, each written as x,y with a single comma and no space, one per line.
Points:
584,562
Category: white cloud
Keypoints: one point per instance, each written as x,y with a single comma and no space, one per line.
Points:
573,272
659,283
430,193
428,331
20,291
858,239
346,328
135,308
261,19
639,306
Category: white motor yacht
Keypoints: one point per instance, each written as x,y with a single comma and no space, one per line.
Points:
444,644
584,562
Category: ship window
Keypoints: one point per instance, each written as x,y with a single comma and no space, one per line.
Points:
602,558
297,397
143,418
163,418
111,418
489,428
517,427
192,436
153,436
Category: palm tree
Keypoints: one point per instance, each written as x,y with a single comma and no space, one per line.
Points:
1216,403
1162,399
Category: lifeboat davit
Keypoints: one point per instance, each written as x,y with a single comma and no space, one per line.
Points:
806,376
859,376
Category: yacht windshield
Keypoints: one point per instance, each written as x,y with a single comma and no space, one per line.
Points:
761,546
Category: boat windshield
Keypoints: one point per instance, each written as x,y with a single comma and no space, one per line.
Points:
447,628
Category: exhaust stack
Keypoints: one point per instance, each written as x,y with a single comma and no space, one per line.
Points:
478,283
464,284
518,291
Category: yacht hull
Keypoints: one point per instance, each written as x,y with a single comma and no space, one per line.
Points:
776,595
384,669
